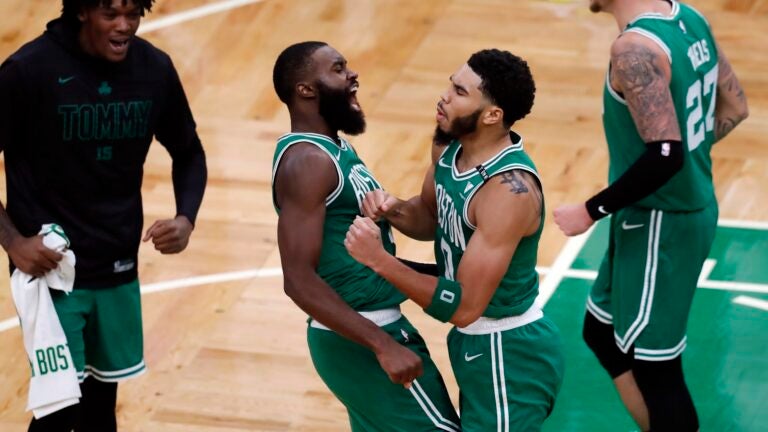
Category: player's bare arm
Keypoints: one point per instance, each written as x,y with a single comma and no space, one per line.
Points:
301,199
731,108
640,70
504,211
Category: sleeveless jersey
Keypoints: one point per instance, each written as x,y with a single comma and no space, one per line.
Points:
686,39
454,192
360,287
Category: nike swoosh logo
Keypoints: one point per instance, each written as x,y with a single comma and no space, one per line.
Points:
601,209
65,80
442,164
626,226
469,358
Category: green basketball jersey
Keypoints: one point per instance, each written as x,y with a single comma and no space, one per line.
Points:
688,42
454,191
359,286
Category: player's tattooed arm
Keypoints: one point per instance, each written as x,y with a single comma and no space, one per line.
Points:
516,184
521,182
640,71
731,106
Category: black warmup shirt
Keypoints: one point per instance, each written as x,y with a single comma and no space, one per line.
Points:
76,131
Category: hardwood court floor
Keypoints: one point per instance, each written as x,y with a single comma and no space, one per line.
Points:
231,355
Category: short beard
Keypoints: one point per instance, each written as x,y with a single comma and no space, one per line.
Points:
335,109
458,128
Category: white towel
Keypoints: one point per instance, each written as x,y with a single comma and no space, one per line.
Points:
54,384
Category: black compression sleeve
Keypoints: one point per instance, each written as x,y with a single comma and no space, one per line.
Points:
425,268
659,163
190,174
176,131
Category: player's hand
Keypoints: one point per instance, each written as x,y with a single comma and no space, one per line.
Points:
378,203
363,242
573,219
170,236
401,365
31,256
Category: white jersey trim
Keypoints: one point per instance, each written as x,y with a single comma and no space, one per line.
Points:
380,317
655,39
611,91
655,15
334,158
515,147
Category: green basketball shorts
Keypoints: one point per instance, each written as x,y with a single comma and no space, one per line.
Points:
509,372
373,402
648,277
103,329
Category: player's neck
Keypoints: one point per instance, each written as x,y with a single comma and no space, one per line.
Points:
626,11
480,146
312,124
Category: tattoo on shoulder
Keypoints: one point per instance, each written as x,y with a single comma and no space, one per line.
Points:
515,182
646,90
635,67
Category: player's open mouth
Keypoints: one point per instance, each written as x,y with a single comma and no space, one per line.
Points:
119,45
353,97
440,115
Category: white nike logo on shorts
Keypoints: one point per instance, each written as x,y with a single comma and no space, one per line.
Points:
469,358
626,226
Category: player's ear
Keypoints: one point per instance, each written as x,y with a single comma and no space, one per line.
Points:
305,90
492,115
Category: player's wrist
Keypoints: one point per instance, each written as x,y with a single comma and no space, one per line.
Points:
184,219
596,208
380,343
381,262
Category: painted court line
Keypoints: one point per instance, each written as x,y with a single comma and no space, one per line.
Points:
734,223
210,279
562,263
704,281
9,324
751,302
192,14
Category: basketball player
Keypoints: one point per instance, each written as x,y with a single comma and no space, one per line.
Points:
670,94
482,204
366,352
79,107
